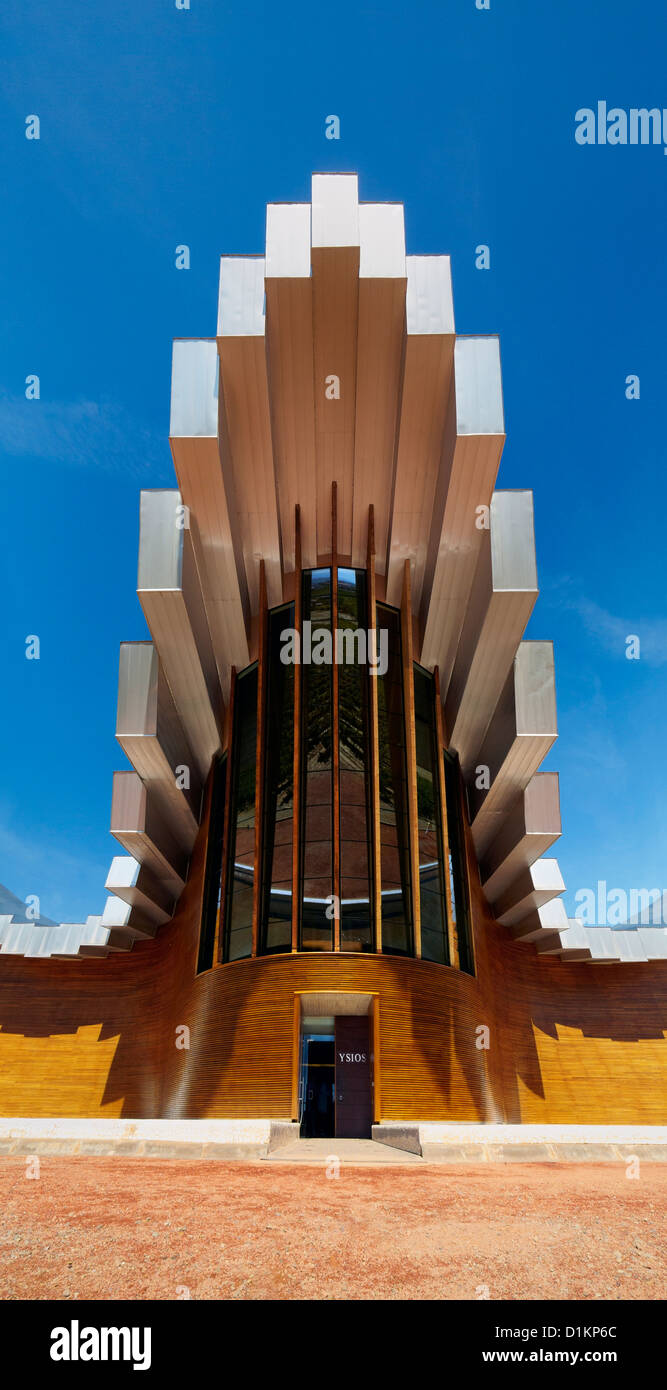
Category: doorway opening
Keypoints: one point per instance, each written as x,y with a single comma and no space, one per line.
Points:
317,1110
335,1098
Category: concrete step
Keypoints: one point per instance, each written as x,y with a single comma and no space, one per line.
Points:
346,1150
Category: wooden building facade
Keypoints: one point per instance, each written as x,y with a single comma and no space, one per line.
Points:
335,826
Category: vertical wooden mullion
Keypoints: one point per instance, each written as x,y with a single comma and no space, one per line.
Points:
411,749
260,760
296,1055
218,949
374,730
335,728
468,859
296,789
440,741
206,814
377,1086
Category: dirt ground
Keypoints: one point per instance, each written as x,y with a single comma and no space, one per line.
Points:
99,1228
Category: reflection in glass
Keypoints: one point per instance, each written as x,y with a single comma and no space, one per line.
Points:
433,902
238,915
394,824
317,767
442,878
213,870
457,864
354,741
276,906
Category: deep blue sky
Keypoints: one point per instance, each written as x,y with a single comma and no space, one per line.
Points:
161,126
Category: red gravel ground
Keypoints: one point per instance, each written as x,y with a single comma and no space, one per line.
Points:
98,1228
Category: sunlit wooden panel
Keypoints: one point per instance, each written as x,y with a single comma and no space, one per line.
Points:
572,943
335,280
532,888
502,599
202,459
531,826
428,359
520,734
289,335
542,922
381,332
170,594
245,387
473,441
150,733
139,887
127,921
138,825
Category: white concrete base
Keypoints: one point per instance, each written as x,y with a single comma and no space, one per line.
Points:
114,1130
489,1135
251,1140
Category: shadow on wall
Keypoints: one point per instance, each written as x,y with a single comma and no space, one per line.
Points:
241,1026
568,1042
579,1043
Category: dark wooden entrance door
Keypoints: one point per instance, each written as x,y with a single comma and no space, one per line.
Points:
353,1078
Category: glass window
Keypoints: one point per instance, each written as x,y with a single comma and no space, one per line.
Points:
394,822
240,873
458,877
432,896
316,763
213,870
356,931
276,907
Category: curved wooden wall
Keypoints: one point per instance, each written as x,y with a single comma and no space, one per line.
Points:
573,1043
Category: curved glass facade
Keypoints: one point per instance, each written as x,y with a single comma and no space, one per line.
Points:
316,879
278,819
432,890
238,900
395,865
355,815
339,789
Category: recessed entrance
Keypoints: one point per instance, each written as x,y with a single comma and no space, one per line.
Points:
318,1081
335,1067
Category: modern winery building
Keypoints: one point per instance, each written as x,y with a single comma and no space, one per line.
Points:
335,901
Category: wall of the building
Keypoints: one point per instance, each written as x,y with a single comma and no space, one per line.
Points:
572,1043
568,1042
